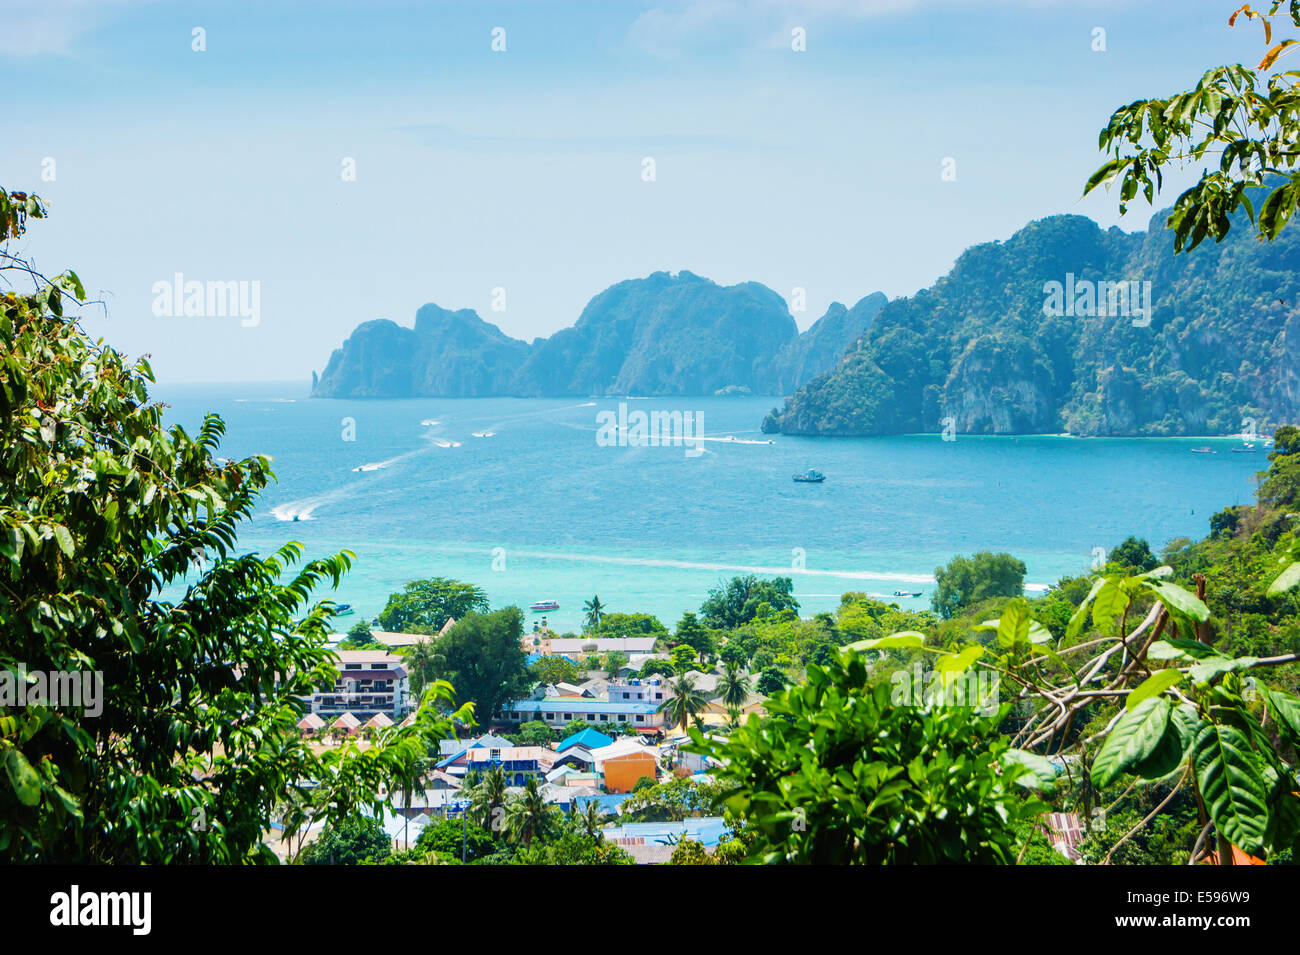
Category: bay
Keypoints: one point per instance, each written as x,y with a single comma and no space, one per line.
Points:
519,497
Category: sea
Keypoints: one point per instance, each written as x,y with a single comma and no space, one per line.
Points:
530,499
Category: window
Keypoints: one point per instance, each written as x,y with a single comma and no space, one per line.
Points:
568,716
640,719
591,717
622,718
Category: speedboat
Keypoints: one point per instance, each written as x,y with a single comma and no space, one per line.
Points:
342,610
811,476
544,605
907,593
1204,451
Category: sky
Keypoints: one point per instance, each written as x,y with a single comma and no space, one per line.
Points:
351,161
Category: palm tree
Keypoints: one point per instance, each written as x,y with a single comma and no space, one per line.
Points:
590,819
684,702
595,610
528,816
488,798
735,686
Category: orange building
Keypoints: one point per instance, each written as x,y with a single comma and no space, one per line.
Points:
622,773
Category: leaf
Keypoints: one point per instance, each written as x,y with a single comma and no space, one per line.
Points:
1231,786
1271,56
1154,685
906,640
63,539
1288,579
1163,650
1179,601
1212,667
1040,771
1132,740
27,785
1285,709
1110,603
958,662
1167,757
1080,615
1013,625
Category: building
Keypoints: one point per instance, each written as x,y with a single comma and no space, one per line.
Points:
517,762
639,711
369,682
583,646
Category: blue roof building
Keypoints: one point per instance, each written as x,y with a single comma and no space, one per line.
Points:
590,738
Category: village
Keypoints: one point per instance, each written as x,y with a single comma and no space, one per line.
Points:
616,740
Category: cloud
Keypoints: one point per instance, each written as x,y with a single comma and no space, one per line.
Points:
53,27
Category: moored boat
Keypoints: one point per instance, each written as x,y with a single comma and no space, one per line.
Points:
811,476
544,605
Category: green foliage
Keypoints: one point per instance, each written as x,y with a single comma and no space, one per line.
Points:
482,658
1248,128
534,733
1134,554
423,606
683,702
630,625
672,801
838,774
737,601
1190,365
350,842
553,669
448,837
572,848
771,680
966,581
103,509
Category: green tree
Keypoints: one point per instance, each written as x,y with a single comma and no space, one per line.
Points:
350,842
423,606
191,752
840,774
1243,126
772,680
528,817
735,686
534,733
736,602
553,669
487,800
484,661
449,837
593,610
966,581
1133,553
684,702
614,661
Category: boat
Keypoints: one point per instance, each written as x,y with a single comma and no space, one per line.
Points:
1204,451
342,610
1244,449
811,476
907,593
544,605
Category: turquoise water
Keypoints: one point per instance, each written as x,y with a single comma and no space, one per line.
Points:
517,496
